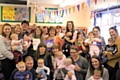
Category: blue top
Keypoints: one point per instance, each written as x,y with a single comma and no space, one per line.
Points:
22,75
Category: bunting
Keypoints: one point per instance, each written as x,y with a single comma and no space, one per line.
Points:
83,4
69,10
88,1
73,8
78,7
63,12
95,1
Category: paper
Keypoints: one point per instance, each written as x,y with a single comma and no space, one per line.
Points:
35,43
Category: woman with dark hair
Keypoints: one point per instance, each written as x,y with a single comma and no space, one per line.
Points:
42,53
95,63
6,55
96,32
69,38
38,34
113,63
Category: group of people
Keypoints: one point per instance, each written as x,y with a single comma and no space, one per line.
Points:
72,55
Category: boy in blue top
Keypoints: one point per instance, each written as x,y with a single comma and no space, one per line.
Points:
22,73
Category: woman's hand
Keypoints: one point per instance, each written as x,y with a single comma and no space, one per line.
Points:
77,68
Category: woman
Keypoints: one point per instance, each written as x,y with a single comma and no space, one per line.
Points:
43,53
59,31
18,30
113,62
95,63
52,38
69,38
81,64
96,32
38,34
7,62
83,50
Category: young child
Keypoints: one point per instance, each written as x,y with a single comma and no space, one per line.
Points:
92,42
22,73
41,70
111,47
70,67
58,61
96,75
18,44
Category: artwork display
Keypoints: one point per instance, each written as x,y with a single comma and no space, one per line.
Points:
49,15
15,14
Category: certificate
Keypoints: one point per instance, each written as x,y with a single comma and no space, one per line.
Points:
35,43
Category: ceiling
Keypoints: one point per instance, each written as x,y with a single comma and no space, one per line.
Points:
100,3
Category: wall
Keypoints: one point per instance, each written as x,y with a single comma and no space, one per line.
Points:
81,18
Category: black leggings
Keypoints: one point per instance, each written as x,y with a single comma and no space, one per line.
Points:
7,67
112,71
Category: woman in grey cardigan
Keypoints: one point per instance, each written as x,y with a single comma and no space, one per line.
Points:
6,56
95,63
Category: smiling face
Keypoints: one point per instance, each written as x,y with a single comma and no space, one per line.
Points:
42,50
69,26
95,63
54,51
73,53
37,31
18,29
7,30
113,33
52,32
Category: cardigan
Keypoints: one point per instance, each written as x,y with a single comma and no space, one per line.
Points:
113,59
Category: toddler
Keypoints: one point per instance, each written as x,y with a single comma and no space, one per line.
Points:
92,42
18,47
22,73
59,60
111,47
96,75
41,70
70,67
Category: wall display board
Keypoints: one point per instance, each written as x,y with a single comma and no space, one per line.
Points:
14,14
49,16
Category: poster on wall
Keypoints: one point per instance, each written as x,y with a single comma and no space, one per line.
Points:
14,14
49,15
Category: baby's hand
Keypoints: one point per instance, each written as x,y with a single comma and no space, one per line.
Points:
27,76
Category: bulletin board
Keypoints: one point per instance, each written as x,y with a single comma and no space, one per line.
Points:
49,16
14,14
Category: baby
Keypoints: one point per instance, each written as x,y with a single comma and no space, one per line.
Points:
92,42
58,61
22,73
18,44
111,47
96,75
41,70
70,67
